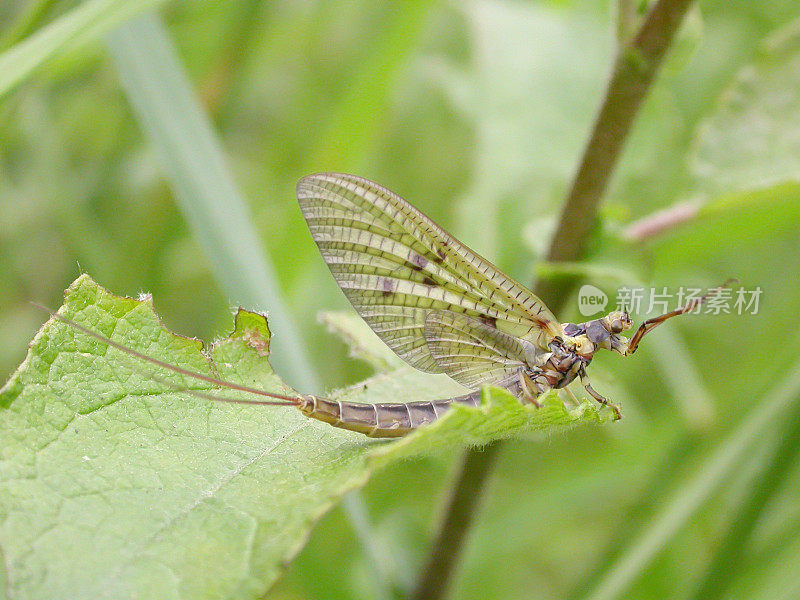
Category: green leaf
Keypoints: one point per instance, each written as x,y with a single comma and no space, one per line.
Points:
732,221
78,27
750,140
364,344
158,493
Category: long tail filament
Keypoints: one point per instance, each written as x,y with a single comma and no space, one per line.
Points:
278,399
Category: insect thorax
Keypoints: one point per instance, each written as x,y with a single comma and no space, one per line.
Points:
592,335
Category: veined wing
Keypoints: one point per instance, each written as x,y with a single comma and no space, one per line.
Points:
395,265
471,352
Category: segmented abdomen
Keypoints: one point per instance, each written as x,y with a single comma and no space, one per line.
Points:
381,420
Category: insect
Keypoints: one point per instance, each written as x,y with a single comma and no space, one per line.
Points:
439,306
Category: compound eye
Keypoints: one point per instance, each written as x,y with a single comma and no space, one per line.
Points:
618,322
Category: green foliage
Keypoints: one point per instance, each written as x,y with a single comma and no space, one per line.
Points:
161,494
749,140
362,344
69,32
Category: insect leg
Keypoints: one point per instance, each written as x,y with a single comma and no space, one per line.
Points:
529,389
596,395
651,324
571,395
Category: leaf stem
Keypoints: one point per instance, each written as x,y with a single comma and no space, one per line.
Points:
661,221
634,70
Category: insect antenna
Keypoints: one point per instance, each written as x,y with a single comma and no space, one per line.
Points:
698,301
278,399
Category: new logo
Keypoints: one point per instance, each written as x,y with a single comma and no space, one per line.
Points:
591,300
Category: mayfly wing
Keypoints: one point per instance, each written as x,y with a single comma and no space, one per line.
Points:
395,266
471,352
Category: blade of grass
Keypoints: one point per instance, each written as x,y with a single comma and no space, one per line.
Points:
776,549
689,498
764,485
157,87
171,115
637,516
80,26
27,23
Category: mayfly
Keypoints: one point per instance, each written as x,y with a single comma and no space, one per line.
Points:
439,306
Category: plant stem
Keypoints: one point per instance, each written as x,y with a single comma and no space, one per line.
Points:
466,495
635,67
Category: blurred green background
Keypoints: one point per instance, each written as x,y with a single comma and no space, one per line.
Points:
476,112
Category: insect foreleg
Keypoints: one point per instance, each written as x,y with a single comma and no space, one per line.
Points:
647,327
651,324
596,395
